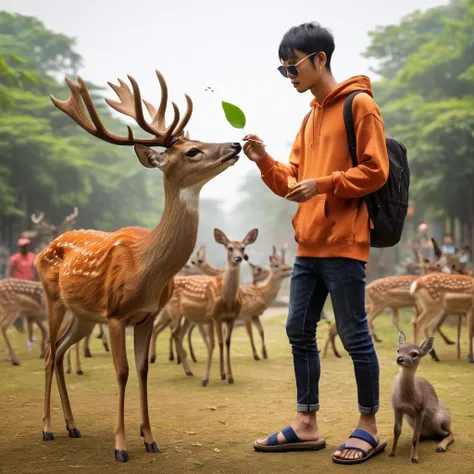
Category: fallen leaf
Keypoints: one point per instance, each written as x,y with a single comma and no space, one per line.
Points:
197,444
191,432
223,422
212,408
217,450
198,464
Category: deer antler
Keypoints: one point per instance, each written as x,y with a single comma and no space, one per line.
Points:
37,219
130,103
71,218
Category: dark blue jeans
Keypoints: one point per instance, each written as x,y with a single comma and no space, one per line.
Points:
344,280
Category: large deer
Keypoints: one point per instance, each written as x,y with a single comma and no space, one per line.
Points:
22,297
124,278
437,295
212,301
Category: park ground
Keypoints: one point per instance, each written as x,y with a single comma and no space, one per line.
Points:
211,430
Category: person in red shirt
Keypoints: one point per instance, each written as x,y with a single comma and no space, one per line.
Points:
22,262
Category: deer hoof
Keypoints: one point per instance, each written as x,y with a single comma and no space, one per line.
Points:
223,377
152,447
74,433
106,347
339,356
152,359
205,383
414,460
121,455
256,357
193,358
87,353
48,436
68,371
230,380
470,358
80,372
265,356
171,357
15,362
440,449
189,374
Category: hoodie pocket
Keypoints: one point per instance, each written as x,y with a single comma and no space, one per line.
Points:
311,221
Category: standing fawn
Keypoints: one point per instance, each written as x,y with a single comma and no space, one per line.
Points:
416,398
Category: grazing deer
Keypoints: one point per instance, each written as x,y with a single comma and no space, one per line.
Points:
124,278
331,339
416,398
212,301
24,297
437,295
255,299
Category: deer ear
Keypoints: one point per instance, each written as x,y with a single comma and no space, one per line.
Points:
437,249
150,158
251,237
401,338
220,237
274,251
427,346
201,253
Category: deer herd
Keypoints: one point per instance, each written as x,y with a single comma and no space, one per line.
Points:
150,280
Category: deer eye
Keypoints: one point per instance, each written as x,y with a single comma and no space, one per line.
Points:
230,249
192,152
200,261
414,355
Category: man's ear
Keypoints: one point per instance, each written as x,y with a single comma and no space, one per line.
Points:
150,158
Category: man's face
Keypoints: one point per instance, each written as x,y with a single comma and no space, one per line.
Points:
309,74
24,249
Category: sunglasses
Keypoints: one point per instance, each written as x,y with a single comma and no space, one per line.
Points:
285,70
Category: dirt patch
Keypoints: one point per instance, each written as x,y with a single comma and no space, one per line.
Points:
211,430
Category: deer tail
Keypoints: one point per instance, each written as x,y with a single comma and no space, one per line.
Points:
413,288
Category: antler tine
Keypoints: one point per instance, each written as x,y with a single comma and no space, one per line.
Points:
36,219
187,116
72,217
126,105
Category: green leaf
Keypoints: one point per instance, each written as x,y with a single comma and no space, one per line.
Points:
18,59
234,115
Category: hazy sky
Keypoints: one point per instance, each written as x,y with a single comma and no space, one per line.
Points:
228,45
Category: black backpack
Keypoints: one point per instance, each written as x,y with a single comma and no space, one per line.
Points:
388,206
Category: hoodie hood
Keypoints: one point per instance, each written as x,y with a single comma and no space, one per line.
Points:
345,88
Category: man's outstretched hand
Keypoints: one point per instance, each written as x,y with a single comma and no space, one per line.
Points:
303,191
254,148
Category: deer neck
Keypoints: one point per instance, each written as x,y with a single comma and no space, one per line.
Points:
209,269
166,249
231,285
406,384
270,287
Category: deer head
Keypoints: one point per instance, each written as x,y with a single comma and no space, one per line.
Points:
201,255
55,230
259,273
235,249
409,355
185,163
279,268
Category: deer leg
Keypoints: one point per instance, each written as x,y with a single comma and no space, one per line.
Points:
397,430
56,312
374,311
258,323
101,331
74,332
415,441
171,354
204,335
141,341
470,327
105,342
248,327
326,344
68,362
210,351
160,324
119,354
87,351
396,319
44,335
31,336
228,340
333,335
11,352
458,341
220,341
78,358
437,328
178,334
442,446
190,343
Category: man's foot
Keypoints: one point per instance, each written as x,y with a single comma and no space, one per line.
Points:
305,427
370,428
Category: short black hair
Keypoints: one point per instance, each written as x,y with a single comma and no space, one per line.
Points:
307,38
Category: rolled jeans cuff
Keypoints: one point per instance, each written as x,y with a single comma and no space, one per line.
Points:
306,408
369,410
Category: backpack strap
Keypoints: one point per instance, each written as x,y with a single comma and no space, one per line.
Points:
349,123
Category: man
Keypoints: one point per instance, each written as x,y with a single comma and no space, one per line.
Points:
22,262
448,245
332,229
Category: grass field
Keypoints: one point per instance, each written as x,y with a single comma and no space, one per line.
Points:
211,430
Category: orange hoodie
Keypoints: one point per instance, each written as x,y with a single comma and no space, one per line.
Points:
335,222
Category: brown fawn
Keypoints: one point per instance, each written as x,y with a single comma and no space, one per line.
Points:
416,398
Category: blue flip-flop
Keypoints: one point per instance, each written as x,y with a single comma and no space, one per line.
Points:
377,448
292,443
